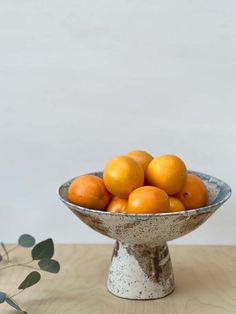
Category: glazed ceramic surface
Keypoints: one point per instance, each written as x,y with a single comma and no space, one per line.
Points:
141,266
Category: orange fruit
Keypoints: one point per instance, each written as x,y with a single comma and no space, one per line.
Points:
141,157
146,200
168,172
117,205
89,191
175,204
194,193
122,175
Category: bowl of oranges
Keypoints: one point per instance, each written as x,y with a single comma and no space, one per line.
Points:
142,202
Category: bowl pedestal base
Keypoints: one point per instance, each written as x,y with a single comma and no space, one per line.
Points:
140,271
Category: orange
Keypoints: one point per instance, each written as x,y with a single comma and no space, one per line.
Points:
194,193
89,191
148,199
122,175
168,172
175,204
141,157
117,205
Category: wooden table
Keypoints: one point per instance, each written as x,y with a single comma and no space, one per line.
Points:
205,279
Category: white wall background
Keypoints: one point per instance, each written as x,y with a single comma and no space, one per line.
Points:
82,81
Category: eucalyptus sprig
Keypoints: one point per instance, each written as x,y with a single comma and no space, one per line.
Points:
41,253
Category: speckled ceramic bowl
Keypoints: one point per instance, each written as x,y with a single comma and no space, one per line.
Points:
141,265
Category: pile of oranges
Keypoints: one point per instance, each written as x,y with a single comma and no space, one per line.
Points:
137,183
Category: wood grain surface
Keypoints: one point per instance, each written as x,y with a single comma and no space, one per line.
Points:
205,279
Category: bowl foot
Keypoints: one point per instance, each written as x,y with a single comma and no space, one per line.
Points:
140,271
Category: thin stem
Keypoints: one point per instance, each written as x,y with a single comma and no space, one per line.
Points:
29,266
20,264
14,295
13,248
8,251
25,263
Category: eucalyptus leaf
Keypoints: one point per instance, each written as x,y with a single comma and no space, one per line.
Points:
50,265
26,240
44,249
2,297
5,250
30,280
13,304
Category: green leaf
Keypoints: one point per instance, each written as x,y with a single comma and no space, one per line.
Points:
13,303
26,240
44,249
1,258
49,265
2,297
30,280
5,250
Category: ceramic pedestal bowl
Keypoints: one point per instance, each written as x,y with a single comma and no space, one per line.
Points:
141,265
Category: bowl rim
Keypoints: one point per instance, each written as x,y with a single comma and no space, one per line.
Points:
184,212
